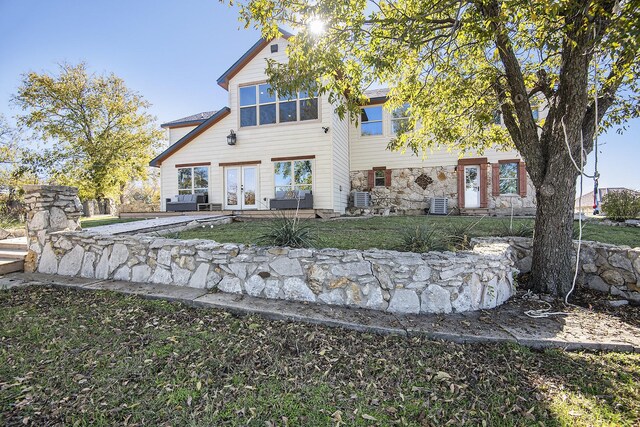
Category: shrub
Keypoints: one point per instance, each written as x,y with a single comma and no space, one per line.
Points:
288,231
421,239
621,205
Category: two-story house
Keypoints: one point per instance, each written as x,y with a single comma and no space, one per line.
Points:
264,147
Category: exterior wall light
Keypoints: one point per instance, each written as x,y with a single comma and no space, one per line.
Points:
231,138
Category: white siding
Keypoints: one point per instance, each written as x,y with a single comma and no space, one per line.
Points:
341,183
176,133
367,152
336,153
258,143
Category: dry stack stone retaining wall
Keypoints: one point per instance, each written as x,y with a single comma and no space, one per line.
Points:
383,280
605,268
50,209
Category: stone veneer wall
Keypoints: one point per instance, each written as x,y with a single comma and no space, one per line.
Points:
382,280
405,196
605,268
502,204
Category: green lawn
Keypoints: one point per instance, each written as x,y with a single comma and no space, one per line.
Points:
104,220
72,357
386,232
10,222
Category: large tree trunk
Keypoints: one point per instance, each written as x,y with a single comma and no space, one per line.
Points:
553,261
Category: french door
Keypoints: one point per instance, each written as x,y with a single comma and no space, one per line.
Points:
241,187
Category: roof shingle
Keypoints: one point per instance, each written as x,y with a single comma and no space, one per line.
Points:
194,119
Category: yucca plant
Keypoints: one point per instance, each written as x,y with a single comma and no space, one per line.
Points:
421,239
459,235
288,231
520,229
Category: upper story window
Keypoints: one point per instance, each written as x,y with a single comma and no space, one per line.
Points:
509,178
371,121
535,113
259,105
193,180
308,106
400,122
267,104
497,117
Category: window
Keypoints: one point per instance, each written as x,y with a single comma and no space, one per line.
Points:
293,177
288,109
259,105
193,180
248,106
379,179
535,113
400,122
497,117
509,178
267,102
371,121
308,106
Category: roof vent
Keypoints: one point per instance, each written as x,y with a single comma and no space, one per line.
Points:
274,48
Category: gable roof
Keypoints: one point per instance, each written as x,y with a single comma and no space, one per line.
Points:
377,96
192,120
215,118
223,80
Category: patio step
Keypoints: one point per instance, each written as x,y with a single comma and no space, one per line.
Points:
19,243
11,265
12,255
474,211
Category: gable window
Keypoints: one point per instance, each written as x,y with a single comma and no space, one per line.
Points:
497,117
248,106
308,106
293,178
267,102
193,180
535,113
371,121
259,105
508,178
400,122
288,109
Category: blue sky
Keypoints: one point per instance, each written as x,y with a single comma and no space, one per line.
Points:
172,52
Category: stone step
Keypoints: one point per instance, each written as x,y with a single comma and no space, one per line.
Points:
13,254
474,211
11,265
19,243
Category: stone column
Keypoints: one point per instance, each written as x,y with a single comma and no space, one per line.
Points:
50,209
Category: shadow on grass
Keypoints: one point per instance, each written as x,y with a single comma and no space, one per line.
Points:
101,358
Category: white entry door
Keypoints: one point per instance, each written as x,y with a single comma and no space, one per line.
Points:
241,187
472,186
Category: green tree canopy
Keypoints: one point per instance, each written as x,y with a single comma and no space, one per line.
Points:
97,134
457,63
